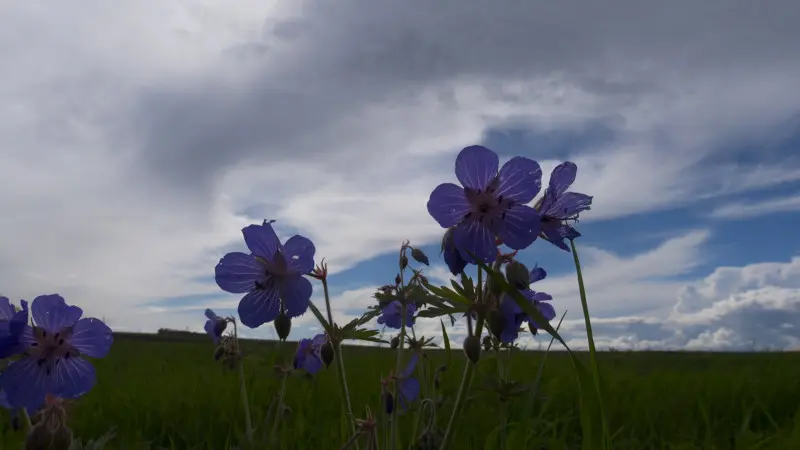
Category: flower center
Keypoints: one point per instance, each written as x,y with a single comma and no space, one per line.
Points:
486,205
50,348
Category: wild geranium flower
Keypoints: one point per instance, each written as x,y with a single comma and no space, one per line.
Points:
491,203
270,275
513,316
407,386
557,207
307,356
392,317
53,351
12,323
215,325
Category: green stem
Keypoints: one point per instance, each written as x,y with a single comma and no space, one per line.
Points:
590,338
279,414
248,424
398,367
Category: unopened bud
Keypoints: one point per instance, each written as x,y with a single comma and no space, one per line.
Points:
326,352
218,352
496,323
219,326
395,342
397,280
518,275
388,401
42,437
419,256
283,325
472,348
15,423
403,262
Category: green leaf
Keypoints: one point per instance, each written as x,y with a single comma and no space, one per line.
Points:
591,416
468,285
446,339
325,325
448,293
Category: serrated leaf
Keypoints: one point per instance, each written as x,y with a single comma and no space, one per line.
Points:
468,285
448,294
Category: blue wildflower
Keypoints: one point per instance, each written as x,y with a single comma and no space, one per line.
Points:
270,275
407,386
513,316
452,256
12,323
490,204
52,354
307,356
215,325
558,206
11,410
391,314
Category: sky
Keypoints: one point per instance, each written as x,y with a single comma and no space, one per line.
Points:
137,139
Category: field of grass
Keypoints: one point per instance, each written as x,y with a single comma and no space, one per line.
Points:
162,393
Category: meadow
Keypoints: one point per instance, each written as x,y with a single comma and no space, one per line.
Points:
170,393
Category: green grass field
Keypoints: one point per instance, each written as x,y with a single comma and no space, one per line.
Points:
171,394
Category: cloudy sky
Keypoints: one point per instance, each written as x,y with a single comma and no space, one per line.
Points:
137,139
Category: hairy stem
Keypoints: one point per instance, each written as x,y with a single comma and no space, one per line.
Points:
279,414
248,424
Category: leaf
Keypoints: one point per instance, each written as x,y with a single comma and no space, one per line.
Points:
448,293
446,339
468,285
440,311
363,334
320,318
591,417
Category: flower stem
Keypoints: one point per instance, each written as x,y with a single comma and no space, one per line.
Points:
248,424
397,368
590,338
279,414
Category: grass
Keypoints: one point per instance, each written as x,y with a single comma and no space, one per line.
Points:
169,393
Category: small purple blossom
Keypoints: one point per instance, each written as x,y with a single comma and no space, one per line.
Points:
307,356
490,204
452,257
215,325
514,316
12,323
558,206
408,387
271,275
53,351
391,315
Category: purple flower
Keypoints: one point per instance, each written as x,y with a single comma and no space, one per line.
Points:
53,349
215,325
558,206
11,410
12,323
391,314
513,316
491,203
452,256
407,387
307,356
270,275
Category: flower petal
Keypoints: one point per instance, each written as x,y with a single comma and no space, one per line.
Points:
72,378
25,384
238,273
567,205
520,227
537,274
296,293
448,204
410,366
53,314
472,237
555,233
520,180
312,363
318,340
210,326
409,391
6,309
547,310
454,261
476,167
211,315
261,240
91,337
259,307
299,252
561,178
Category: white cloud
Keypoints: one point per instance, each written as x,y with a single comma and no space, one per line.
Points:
134,136
757,208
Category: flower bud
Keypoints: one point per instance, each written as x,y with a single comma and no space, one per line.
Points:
326,353
395,342
218,352
419,256
15,423
494,287
283,325
472,348
487,343
397,280
388,401
403,262
43,437
496,323
518,275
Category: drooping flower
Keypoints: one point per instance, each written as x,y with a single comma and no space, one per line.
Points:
407,386
558,206
307,356
53,352
452,256
391,315
270,275
490,204
12,323
215,325
513,316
